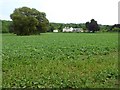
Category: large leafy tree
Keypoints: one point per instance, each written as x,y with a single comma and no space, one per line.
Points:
92,26
27,21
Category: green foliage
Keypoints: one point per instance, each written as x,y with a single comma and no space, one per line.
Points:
53,26
115,29
62,60
105,28
28,21
6,26
92,26
0,26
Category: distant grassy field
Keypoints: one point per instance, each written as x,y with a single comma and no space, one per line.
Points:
60,60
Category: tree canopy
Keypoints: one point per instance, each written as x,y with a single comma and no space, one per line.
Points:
5,26
92,26
115,28
27,21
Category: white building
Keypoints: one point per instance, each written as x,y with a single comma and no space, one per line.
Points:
67,29
55,30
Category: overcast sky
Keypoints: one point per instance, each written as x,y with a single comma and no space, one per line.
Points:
67,11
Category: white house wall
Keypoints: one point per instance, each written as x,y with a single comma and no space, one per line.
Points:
66,29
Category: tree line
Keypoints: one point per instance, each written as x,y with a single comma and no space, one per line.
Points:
7,27
27,21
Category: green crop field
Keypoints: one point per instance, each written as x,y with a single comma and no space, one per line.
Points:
60,60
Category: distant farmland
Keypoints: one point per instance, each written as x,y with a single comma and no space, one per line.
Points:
60,60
